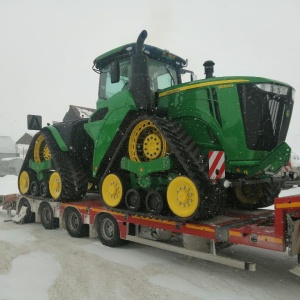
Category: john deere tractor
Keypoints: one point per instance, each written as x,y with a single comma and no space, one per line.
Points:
158,146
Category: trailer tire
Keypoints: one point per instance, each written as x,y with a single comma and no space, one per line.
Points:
108,231
47,217
30,216
74,224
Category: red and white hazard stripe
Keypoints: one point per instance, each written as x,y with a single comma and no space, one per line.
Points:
216,164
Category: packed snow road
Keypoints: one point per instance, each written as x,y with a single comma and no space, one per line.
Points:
48,264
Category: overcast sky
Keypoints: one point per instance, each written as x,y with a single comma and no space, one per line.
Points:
48,47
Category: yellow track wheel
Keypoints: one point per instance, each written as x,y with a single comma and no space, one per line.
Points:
112,190
55,185
249,194
146,142
41,150
24,183
182,197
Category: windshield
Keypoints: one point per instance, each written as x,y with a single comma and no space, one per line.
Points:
161,76
266,111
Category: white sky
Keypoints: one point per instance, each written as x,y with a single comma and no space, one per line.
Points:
48,47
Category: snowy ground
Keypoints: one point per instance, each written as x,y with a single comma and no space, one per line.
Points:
48,264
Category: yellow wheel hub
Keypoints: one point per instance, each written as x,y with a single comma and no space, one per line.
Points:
24,182
55,185
112,190
146,142
41,150
249,194
152,146
182,197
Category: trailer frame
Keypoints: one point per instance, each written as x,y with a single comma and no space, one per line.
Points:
275,229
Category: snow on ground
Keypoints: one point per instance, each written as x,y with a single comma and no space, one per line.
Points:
48,264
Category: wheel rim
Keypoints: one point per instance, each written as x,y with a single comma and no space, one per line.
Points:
107,229
154,202
182,197
24,182
47,214
73,221
112,190
146,142
41,150
249,194
55,185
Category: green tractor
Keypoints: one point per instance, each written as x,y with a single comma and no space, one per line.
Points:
160,147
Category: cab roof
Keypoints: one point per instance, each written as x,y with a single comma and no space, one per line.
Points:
130,49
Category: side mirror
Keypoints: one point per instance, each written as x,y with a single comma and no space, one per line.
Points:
115,72
34,122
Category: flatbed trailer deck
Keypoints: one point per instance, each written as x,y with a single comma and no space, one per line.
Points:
275,229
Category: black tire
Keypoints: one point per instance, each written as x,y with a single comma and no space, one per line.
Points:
30,216
74,224
44,189
35,188
155,202
133,200
263,195
108,231
47,217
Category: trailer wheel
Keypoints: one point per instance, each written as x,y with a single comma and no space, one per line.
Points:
74,224
47,217
108,231
30,216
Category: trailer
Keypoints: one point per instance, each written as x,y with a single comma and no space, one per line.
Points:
275,229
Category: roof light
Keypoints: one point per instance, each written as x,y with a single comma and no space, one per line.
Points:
293,94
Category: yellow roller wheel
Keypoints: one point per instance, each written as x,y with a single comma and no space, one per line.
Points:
55,185
249,194
112,190
182,197
41,150
24,183
146,142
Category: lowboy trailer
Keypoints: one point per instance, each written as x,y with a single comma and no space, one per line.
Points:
277,230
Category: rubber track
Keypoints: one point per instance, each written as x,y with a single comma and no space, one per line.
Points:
195,165
74,178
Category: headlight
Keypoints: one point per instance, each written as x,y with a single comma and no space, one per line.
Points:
273,88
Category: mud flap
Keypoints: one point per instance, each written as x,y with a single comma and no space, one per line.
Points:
19,217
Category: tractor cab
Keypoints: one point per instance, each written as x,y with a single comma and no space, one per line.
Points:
115,69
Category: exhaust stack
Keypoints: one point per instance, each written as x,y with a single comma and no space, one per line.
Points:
140,80
209,68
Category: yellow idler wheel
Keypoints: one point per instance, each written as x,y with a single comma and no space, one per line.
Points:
41,150
55,185
182,197
112,190
249,194
24,183
146,142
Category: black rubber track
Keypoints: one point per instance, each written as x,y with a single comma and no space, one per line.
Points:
193,165
270,191
73,176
